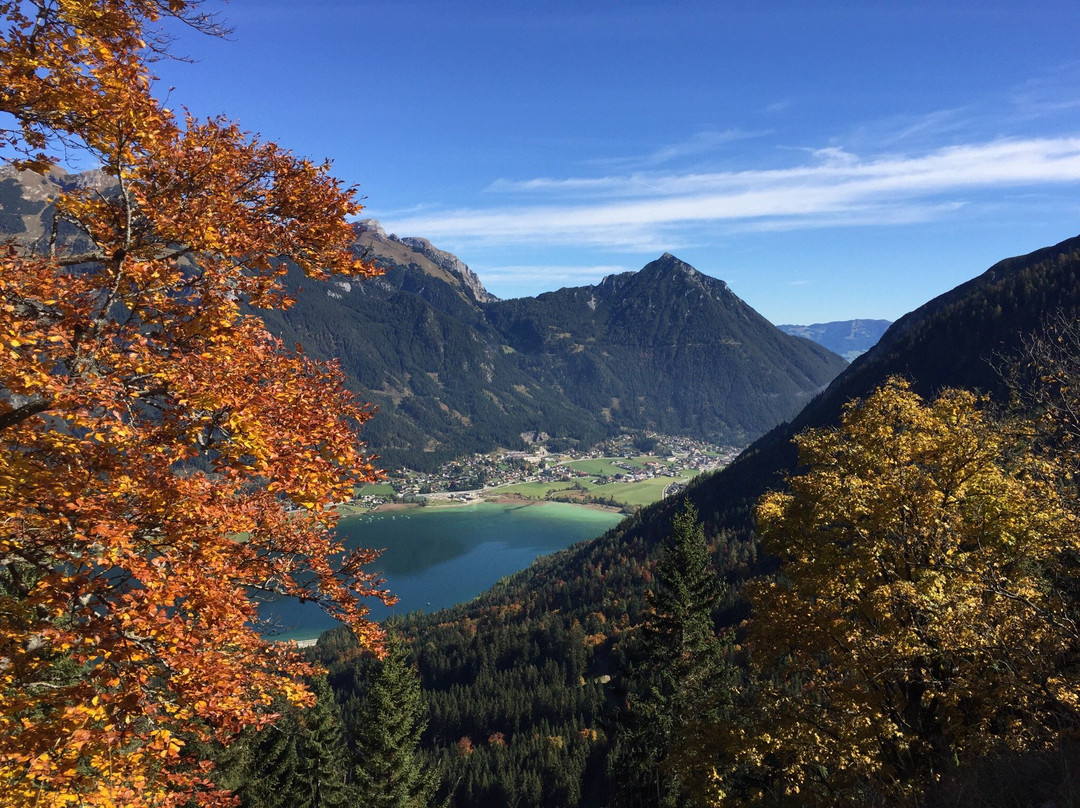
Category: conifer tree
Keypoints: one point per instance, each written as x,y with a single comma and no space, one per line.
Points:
387,729
270,765
323,771
679,631
299,761
679,660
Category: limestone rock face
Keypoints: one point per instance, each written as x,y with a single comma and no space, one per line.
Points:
451,263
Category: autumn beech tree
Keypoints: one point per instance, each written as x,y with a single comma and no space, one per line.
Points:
163,459
920,619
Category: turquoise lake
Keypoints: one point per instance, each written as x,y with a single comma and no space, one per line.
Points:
438,557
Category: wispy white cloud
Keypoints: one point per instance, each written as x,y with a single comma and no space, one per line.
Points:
1048,95
830,187
783,105
703,143
551,277
923,131
934,124
879,215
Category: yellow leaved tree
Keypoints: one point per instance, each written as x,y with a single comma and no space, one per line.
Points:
162,457
919,620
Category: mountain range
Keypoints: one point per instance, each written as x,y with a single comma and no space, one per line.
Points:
454,371
521,684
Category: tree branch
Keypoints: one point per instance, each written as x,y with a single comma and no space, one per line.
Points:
35,405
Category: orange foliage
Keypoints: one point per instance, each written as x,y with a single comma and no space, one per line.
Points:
163,459
593,640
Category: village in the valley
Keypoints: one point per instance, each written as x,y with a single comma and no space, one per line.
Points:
624,472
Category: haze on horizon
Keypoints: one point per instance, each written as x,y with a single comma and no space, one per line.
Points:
829,161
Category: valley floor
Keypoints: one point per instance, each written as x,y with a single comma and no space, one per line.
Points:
615,475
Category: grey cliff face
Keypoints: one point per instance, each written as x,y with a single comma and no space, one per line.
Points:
452,264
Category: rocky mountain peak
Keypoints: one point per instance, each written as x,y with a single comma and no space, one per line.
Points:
419,252
664,270
371,226
452,264
668,266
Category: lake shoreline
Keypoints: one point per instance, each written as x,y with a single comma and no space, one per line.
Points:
444,502
438,556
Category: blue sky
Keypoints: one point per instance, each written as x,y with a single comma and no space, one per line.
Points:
829,160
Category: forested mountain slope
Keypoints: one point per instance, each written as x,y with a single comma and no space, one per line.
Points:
417,343
666,348
521,672
455,371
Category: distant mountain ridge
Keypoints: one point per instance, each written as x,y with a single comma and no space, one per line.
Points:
453,370
849,338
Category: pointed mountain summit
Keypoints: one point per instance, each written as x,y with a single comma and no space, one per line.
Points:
667,265
665,269
666,348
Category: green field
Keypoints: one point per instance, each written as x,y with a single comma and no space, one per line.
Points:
604,466
533,490
643,493
375,490
577,489
626,494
